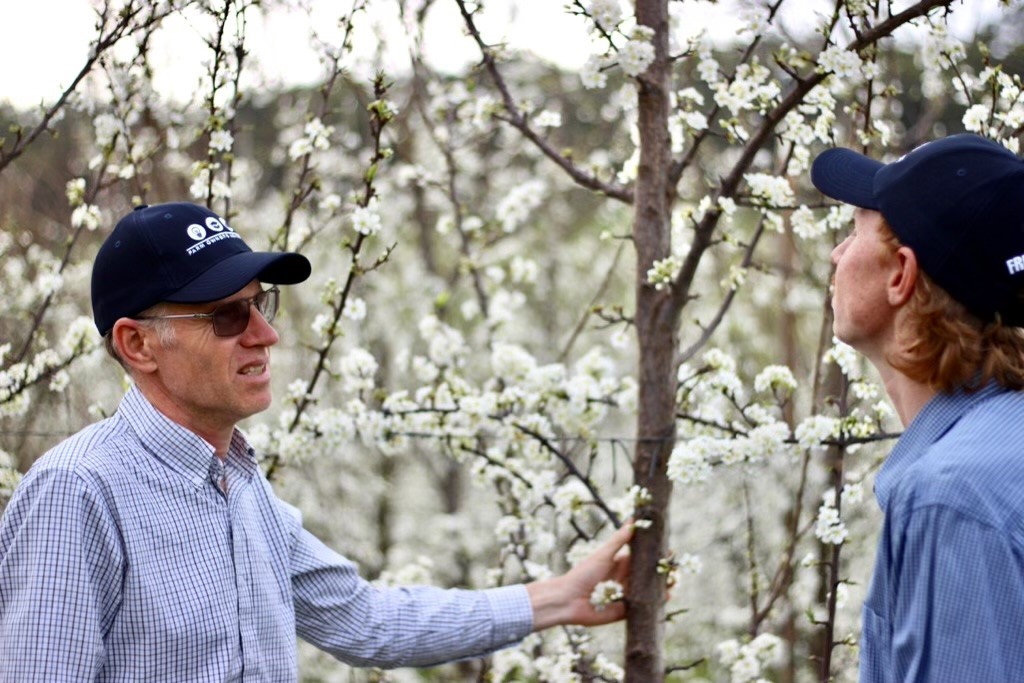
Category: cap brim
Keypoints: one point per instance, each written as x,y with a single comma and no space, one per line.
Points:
235,272
847,176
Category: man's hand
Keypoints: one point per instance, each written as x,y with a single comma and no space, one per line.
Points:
565,599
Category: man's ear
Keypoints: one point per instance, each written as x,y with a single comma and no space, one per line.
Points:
134,343
903,279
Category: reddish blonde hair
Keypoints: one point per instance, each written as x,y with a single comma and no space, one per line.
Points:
948,348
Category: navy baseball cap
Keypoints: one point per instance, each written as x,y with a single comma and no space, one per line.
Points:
179,252
958,202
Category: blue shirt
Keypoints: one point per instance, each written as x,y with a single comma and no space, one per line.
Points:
946,602
124,556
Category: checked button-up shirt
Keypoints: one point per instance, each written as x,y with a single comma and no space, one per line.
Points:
124,557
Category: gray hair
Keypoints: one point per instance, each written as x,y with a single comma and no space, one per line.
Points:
163,328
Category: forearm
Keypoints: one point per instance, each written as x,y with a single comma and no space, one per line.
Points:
366,625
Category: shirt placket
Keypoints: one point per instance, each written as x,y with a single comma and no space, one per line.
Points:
219,477
235,482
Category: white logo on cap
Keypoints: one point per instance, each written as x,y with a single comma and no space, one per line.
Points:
198,233
215,224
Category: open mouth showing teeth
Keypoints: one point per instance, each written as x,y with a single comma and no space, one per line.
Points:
254,370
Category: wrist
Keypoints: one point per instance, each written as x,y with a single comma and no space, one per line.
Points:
548,600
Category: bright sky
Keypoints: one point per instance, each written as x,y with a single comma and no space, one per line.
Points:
50,59
38,63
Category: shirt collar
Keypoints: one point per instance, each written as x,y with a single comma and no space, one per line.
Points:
933,421
183,451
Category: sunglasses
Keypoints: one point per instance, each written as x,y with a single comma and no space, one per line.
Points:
231,319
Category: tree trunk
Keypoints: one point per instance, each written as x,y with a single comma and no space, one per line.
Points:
656,326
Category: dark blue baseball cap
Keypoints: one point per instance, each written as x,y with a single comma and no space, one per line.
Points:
958,202
182,253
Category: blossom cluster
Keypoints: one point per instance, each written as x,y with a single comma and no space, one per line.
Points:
751,89
475,378
9,475
829,527
998,111
513,211
605,593
49,365
747,661
316,136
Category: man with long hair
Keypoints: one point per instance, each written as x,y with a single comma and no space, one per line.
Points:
928,287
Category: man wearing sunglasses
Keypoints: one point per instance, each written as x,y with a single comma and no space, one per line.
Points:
149,546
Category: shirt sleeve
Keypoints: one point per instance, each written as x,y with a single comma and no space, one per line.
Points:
60,569
957,600
365,625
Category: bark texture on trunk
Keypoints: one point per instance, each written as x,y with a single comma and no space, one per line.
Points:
656,327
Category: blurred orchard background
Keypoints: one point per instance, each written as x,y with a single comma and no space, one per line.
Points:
568,270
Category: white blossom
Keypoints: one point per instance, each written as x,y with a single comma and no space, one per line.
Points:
728,651
745,669
663,273
772,190
316,136
853,493
221,141
606,13
523,270
635,56
515,207
689,563
298,390
75,191
571,496
424,370
752,89
768,648
87,216
735,278
775,378
605,593
366,219
355,309
813,430
694,120
511,362
322,326
504,305
592,73
842,595
107,127
59,381
845,357
805,224
607,669
828,527
976,118
9,480
716,359
548,119
688,463
358,368
845,64
709,70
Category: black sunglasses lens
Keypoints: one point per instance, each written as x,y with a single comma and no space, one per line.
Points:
266,303
231,318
